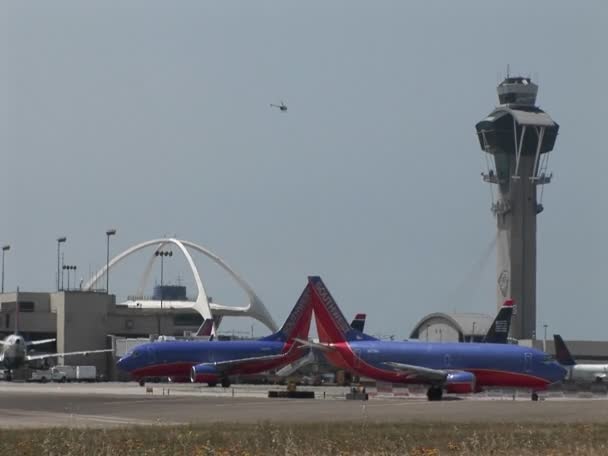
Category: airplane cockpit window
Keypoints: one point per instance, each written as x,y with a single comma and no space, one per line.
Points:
548,359
132,354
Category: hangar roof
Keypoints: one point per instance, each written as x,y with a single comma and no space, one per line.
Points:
466,324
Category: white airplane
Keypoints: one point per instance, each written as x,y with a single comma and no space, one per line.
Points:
578,373
14,353
14,350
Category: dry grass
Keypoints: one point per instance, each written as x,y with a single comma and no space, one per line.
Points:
313,439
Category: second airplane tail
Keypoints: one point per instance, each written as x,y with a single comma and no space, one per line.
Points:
499,331
359,322
562,354
297,324
331,324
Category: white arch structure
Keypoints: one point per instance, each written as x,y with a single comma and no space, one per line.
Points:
255,309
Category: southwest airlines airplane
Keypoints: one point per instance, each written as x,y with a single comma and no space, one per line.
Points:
453,367
215,361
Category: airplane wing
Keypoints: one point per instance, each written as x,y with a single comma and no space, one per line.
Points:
223,366
317,345
419,372
40,342
57,355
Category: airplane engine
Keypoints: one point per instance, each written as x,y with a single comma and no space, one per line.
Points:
460,383
204,373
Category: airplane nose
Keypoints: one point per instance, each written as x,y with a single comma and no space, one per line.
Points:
123,363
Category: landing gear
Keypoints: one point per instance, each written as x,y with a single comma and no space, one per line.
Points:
434,393
534,396
225,382
142,382
212,384
8,376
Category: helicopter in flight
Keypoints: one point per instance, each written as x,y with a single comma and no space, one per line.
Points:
282,107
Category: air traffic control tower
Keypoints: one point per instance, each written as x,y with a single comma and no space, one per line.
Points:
518,136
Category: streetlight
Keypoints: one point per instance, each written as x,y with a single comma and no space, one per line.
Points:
5,248
109,233
60,240
473,334
162,254
69,268
545,339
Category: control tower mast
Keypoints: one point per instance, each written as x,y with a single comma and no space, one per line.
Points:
518,135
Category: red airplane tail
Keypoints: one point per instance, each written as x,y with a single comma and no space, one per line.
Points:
331,324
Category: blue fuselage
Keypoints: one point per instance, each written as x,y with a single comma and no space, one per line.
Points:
492,364
176,358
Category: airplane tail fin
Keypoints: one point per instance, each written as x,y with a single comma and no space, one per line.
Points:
498,332
359,322
562,354
206,329
297,324
331,324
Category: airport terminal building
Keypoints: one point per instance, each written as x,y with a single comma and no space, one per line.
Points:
80,320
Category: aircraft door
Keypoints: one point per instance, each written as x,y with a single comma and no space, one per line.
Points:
527,362
447,361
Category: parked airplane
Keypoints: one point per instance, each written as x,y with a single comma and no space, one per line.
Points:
215,361
14,349
453,367
578,373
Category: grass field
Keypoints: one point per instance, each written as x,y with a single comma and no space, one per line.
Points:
313,439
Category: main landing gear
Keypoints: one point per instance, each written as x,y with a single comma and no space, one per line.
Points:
225,382
534,396
434,393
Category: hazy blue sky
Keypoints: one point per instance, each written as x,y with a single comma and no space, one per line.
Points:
153,117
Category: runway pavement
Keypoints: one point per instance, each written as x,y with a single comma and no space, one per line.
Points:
107,405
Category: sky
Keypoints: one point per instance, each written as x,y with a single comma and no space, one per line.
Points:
153,118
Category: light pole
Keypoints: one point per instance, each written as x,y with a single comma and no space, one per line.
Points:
109,233
473,335
60,240
162,254
545,338
5,248
70,267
